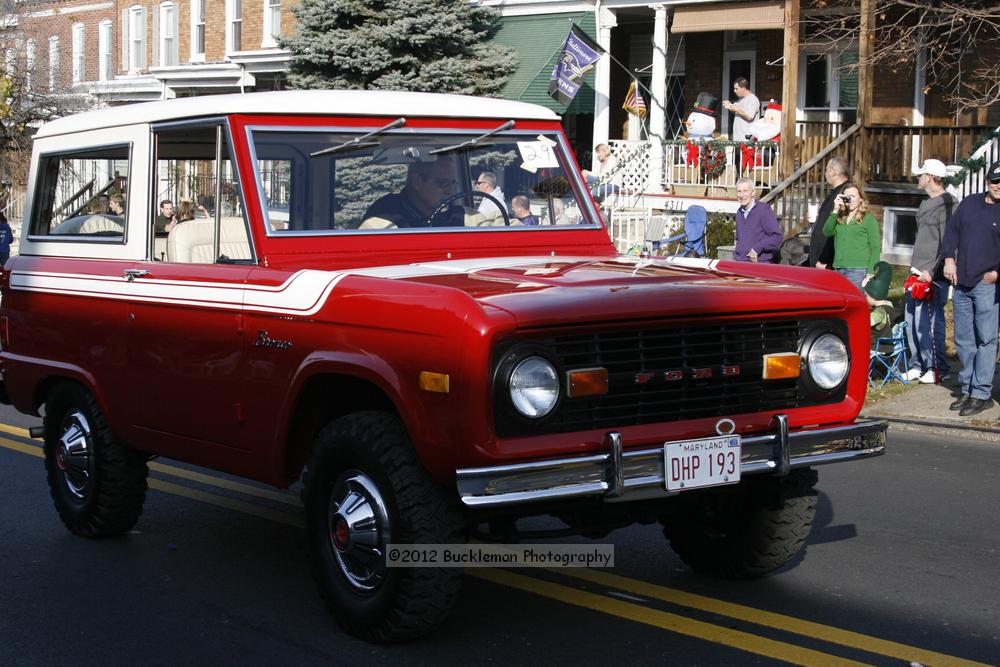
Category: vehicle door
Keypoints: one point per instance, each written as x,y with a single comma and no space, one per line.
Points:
187,334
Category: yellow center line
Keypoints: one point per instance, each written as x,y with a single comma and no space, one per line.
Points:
743,641
665,620
183,473
228,503
766,618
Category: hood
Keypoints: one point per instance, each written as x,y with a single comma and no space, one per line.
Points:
545,291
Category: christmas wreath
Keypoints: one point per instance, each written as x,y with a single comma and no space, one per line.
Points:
713,159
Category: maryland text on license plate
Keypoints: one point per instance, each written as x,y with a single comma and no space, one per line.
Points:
691,464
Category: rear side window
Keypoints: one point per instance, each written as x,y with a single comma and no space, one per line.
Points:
81,194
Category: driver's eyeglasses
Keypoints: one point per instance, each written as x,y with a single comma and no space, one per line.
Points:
480,182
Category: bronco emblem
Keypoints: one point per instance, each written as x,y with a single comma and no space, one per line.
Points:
263,340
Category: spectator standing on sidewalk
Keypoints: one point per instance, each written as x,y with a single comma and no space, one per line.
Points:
6,238
757,232
837,174
925,328
857,243
971,252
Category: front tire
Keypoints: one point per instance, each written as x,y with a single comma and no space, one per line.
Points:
97,484
365,489
744,532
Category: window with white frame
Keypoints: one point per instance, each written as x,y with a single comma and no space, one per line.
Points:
197,30
53,62
168,34
234,25
105,42
29,64
272,22
900,230
137,38
79,74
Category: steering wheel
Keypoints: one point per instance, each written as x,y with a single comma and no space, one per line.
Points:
446,203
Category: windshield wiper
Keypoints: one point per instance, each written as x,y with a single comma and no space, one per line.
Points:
359,142
472,142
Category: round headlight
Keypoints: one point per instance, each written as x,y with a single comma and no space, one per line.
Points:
828,364
534,387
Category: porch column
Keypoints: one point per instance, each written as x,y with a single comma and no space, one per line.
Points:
866,44
789,88
657,105
606,20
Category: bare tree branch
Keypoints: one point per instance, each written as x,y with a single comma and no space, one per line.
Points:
956,40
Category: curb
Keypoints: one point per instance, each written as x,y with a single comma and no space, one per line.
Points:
930,424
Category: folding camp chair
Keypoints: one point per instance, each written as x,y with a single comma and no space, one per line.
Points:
653,236
888,360
691,242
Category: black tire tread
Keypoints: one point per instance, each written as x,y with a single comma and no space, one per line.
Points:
120,476
768,531
427,515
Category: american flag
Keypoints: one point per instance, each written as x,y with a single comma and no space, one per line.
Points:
634,102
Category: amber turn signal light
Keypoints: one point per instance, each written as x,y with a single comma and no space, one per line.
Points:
438,383
781,366
587,382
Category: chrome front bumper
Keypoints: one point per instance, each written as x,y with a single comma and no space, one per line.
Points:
617,475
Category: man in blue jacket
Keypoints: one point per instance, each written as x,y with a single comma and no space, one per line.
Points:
757,233
6,238
971,251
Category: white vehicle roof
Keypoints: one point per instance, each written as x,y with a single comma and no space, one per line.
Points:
340,102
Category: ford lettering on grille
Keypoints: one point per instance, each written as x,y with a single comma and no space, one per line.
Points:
675,374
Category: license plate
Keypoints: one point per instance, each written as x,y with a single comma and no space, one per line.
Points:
692,464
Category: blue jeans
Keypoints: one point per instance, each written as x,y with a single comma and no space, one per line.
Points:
856,276
925,329
976,337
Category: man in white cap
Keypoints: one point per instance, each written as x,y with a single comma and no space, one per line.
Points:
925,328
971,251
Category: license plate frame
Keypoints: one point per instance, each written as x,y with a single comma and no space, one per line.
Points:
695,463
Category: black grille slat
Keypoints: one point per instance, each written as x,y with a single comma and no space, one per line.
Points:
627,354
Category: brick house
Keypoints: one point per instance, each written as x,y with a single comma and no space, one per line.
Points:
128,51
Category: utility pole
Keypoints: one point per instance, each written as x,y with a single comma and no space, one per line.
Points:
866,45
789,88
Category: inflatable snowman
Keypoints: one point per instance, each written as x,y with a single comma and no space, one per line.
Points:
701,121
767,128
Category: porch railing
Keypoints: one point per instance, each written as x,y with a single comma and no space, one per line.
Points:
812,136
796,200
694,168
976,180
894,152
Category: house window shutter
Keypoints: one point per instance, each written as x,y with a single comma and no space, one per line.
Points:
126,39
156,38
175,44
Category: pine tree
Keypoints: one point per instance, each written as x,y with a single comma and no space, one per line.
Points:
424,45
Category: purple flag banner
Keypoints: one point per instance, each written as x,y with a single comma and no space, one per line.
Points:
578,57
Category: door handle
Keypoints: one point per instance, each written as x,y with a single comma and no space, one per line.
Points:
132,274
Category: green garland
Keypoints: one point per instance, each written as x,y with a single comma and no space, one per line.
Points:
968,165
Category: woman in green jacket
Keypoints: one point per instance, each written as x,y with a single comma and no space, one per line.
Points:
857,243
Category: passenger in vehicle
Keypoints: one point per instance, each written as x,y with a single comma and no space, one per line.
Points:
520,206
116,205
429,185
166,220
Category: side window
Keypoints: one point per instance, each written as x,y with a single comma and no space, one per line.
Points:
197,212
82,194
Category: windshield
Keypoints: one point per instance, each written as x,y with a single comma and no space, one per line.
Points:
402,181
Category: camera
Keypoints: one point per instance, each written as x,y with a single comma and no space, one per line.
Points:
845,198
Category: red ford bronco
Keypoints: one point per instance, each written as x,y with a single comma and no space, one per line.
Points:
348,290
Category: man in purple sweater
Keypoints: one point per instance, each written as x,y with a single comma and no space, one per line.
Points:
971,251
757,233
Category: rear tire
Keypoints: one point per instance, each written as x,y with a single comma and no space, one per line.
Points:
745,532
97,484
365,489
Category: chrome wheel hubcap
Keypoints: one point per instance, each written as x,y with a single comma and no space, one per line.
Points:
359,529
74,454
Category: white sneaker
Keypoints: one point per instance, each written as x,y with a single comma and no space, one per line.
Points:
912,374
928,377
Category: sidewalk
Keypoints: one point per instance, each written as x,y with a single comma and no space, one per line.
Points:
927,404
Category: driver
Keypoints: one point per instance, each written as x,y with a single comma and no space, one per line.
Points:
428,185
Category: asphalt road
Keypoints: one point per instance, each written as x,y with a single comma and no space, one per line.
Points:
902,565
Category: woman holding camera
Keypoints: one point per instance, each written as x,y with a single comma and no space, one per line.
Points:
857,242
